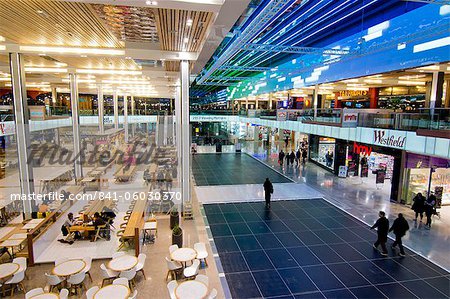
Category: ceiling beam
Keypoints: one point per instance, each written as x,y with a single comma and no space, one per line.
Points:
293,49
193,5
135,53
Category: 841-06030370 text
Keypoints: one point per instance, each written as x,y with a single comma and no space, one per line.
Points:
164,195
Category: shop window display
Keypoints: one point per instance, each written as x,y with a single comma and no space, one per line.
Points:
322,150
426,174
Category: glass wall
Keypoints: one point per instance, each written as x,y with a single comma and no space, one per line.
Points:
322,150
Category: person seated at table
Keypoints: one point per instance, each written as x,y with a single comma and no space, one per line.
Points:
147,176
108,215
67,224
96,222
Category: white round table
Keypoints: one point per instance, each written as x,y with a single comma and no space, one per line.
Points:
116,291
191,289
183,254
46,296
8,269
123,263
69,267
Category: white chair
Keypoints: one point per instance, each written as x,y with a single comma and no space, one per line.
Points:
171,286
203,278
212,294
64,294
172,248
192,270
16,280
141,263
118,254
90,293
87,268
172,268
52,281
202,254
130,275
34,292
107,274
121,280
134,295
22,262
60,260
77,281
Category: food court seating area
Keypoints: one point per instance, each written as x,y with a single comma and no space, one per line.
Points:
183,268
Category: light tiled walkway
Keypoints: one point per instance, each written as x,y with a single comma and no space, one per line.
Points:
364,202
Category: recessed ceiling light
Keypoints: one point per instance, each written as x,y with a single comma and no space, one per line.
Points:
189,22
42,54
154,3
186,39
84,56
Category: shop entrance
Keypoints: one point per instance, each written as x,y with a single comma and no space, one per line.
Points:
373,169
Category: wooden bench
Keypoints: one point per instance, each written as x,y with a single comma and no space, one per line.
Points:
125,173
136,219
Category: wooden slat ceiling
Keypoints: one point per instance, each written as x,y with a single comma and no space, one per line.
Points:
129,23
53,23
172,66
172,29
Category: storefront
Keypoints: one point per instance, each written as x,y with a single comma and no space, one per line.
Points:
322,151
426,174
377,167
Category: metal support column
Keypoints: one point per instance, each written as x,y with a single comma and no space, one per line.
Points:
116,110
76,126
436,90
316,99
185,132
133,108
54,96
101,111
125,117
21,119
178,138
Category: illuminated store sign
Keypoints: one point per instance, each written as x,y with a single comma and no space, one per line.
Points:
361,149
391,141
352,93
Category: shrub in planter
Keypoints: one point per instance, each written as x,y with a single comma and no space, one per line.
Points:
174,218
177,236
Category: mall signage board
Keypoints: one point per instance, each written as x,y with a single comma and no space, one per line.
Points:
349,119
7,128
389,139
210,118
281,115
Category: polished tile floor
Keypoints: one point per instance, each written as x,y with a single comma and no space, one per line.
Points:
310,249
232,169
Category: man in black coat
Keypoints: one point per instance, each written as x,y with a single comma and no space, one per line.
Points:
268,190
281,158
400,227
382,226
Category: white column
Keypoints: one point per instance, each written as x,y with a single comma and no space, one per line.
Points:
54,96
185,132
178,138
125,117
76,125
116,110
436,90
21,119
101,110
133,108
316,99
166,124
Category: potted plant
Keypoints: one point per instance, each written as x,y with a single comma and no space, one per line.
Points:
177,236
174,217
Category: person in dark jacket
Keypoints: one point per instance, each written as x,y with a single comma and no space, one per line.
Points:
429,209
288,159
400,227
268,190
298,156
382,225
419,205
292,157
281,158
304,155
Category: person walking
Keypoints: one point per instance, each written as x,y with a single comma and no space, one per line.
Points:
281,158
418,205
304,155
298,155
382,226
268,190
429,209
292,157
288,159
400,227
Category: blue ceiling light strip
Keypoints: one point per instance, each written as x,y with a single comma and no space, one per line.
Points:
262,20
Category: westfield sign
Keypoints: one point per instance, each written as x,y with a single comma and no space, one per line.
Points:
392,141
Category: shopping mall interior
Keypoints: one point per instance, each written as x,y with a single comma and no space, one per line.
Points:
224,149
